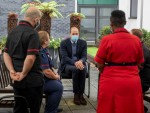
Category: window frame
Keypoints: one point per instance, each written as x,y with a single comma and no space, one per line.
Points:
97,15
131,8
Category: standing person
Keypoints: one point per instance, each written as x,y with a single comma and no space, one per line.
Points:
53,86
118,57
21,57
145,69
74,54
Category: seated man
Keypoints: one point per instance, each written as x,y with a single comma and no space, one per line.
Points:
145,69
74,54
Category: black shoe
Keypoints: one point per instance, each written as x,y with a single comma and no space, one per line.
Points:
82,100
59,110
76,99
145,109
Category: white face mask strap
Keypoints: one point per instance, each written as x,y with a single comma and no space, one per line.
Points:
37,25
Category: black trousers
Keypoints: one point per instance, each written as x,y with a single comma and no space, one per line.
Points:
33,96
78,77
144,88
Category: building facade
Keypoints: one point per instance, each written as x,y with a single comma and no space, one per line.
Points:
97,14
60,27
136,13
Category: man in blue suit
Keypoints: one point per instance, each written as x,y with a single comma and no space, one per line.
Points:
74,54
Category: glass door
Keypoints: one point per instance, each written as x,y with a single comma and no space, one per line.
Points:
104,16
97,16
88,24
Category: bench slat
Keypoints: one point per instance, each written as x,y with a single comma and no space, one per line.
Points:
5,80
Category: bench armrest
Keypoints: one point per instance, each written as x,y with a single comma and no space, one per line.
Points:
87,63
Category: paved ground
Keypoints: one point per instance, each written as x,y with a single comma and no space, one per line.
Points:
67,98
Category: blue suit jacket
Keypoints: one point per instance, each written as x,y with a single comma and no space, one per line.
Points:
66,52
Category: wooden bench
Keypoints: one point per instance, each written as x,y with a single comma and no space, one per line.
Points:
7,101
5,81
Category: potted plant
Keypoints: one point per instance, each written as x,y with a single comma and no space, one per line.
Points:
75,19
53,50
106,30
12,21
49,10
54,42
2,43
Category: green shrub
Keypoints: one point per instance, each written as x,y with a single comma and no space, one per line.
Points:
3,42
54,42
146,37
92,51
105,31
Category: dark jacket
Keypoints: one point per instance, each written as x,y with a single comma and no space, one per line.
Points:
145,71
66,52
22,41
46,62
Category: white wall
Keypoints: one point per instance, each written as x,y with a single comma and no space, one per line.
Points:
146,14
125,6
142,16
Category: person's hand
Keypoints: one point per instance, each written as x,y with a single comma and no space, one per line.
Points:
13,75
57,77
79,65
21,76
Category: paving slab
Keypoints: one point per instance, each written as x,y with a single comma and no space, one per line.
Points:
67,98
84,111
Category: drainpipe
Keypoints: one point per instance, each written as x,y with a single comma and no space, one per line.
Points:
141,16
76,6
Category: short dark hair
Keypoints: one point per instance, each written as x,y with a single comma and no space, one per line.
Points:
118,18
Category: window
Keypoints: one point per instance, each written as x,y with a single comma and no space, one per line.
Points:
97,16
133,8
88,24
104,16
88,11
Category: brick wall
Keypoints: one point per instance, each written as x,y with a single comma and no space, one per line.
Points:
60,27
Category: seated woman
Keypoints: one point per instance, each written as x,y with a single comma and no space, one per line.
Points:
53,86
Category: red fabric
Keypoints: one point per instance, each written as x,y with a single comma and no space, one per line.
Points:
33,50
119,86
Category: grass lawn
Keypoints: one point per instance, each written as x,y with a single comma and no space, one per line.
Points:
92,51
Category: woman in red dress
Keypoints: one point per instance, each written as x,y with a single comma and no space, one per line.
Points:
118,58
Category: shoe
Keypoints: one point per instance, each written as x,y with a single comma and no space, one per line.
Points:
82,100
59,110
145,109
76,99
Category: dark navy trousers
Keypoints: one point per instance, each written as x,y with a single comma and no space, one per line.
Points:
78,77
54,90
